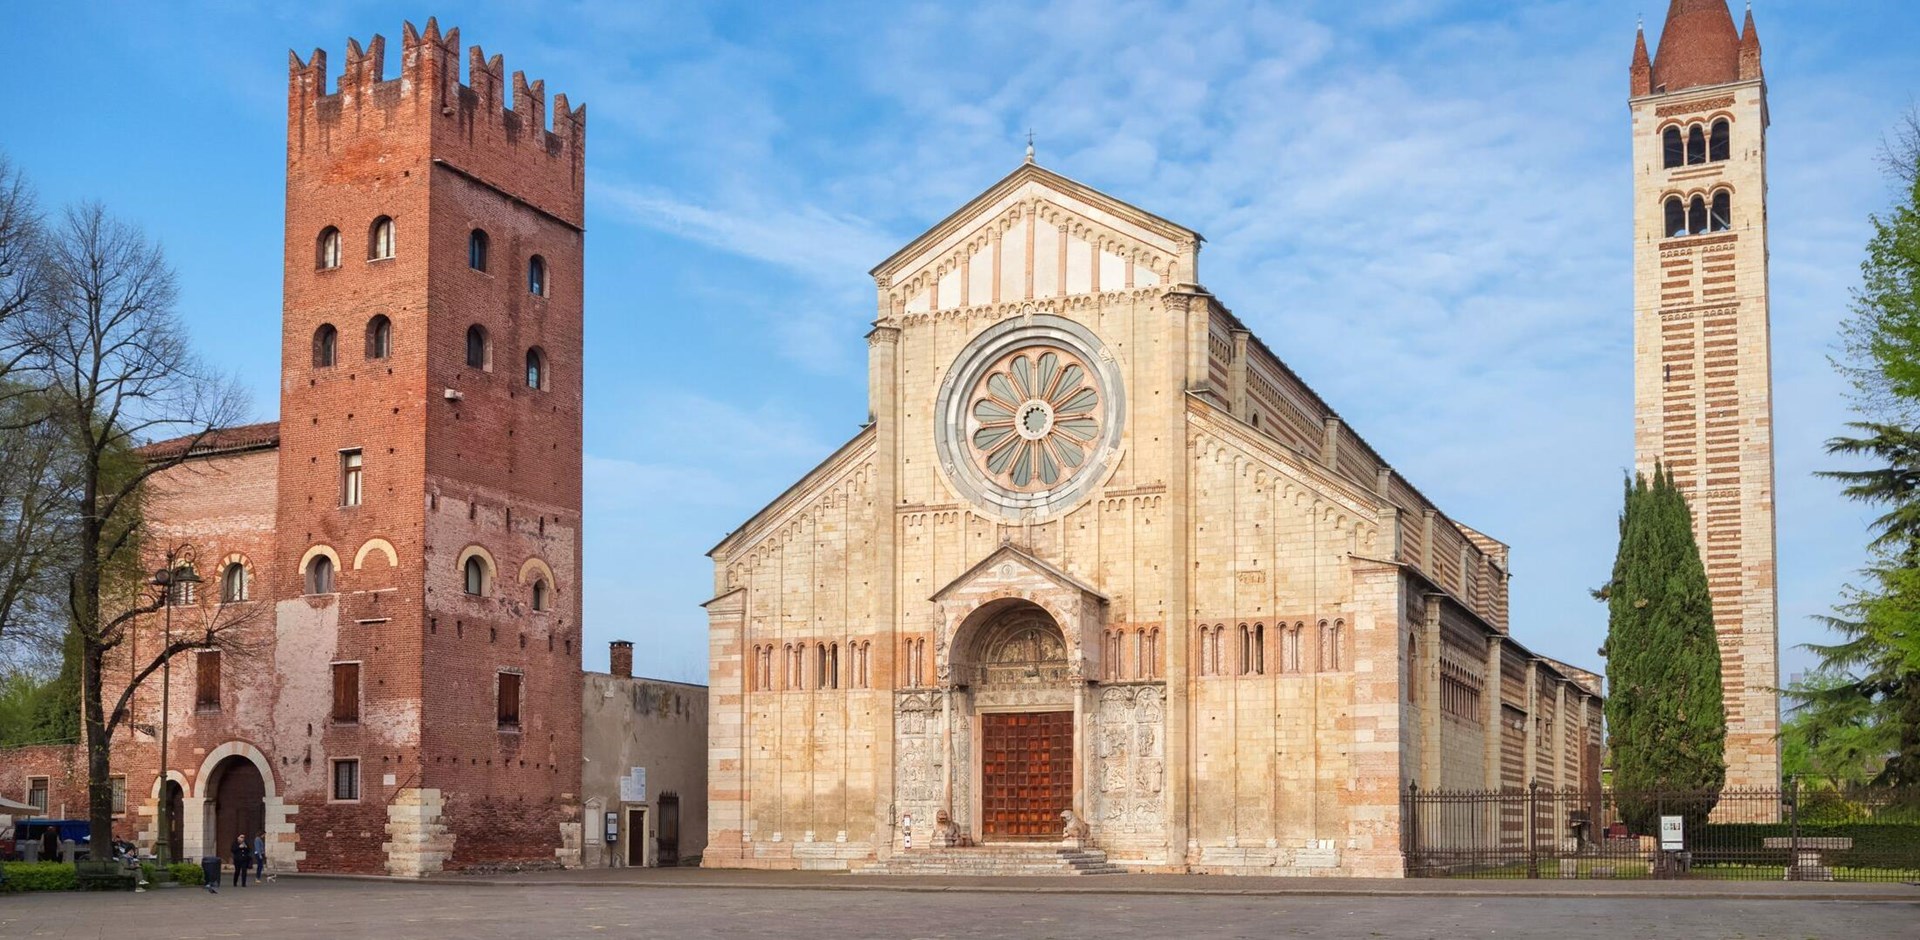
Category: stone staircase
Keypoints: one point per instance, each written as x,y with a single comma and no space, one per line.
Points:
995,860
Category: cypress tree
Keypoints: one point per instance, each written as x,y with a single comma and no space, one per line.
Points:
1666,724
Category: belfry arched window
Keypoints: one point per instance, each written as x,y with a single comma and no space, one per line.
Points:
1676,217
1721,218
1673,148
1696,145
1719,143
1697,216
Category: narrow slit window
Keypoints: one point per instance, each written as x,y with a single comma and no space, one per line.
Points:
206,680
379,337
380,239
536,368
477,346
509,700
327,249
477,250
326,345
537,276
233,583
346,693
350,477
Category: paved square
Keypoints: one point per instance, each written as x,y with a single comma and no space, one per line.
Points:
289,910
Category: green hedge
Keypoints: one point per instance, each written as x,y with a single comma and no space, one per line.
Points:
186,873
1875,845
38,876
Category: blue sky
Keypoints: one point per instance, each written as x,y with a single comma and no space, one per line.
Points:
1422,205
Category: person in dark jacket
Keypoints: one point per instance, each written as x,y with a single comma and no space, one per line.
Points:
242,860
259,858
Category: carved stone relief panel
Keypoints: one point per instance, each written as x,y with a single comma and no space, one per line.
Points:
1129,771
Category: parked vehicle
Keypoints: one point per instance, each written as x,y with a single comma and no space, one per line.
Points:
77,831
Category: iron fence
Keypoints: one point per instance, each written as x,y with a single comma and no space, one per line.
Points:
1794,833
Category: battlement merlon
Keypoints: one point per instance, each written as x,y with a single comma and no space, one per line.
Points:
429,92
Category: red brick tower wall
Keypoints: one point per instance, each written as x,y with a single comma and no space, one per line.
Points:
497,466
504,465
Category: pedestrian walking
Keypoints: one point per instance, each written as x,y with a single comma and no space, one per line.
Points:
242,859
259,858
210,873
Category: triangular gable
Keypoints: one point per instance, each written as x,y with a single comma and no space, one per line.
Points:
1034,235
1010,553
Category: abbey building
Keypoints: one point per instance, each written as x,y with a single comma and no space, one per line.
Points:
1098,564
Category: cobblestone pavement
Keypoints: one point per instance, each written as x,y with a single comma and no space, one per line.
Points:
292,909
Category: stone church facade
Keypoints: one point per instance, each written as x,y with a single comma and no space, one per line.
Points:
1097,551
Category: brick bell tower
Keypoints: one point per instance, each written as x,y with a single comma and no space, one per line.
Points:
1703,394
430,458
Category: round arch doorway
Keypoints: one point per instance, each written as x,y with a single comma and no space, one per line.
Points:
175,798
1015,665
239,804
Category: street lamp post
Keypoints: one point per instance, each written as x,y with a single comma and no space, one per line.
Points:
179,571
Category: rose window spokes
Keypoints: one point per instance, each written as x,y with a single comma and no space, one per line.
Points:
1036,419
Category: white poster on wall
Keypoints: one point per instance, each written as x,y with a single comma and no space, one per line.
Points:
633,786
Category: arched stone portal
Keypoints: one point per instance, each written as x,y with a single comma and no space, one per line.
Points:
1012,674
239,805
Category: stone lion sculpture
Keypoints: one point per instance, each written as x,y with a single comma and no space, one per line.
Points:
1074,829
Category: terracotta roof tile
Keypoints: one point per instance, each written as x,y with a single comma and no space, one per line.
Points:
1698,46
219,440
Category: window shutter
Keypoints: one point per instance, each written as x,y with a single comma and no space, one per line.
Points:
346,692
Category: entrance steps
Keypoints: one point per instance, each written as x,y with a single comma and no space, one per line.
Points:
995,860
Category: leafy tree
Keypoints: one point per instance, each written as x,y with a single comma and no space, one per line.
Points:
1666,725
110,352
1860,712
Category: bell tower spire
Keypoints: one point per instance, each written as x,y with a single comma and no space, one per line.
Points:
1703,397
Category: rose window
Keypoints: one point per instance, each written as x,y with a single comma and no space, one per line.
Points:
1035,416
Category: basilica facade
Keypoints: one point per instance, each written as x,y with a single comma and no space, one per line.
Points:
1100,565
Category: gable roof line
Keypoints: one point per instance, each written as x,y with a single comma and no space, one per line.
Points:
1028,172
1052,573
844,451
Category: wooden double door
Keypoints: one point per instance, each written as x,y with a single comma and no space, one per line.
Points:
1026,774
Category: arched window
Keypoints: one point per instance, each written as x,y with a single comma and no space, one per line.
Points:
1676,217
327,249
326,343
477,347
1719,142
1696,145
475,571
1673,148
319,575
379,337
380,239
540,594
1697,216
1722,217
536,368
537,276
477,250
233,583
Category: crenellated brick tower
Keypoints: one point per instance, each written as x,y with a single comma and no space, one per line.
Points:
430,454
1703,398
